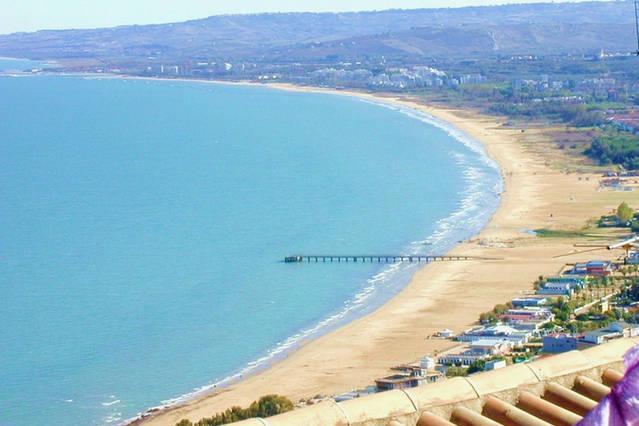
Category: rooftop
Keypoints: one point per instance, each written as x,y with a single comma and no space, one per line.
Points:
556,390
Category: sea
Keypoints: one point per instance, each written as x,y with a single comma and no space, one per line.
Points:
143,227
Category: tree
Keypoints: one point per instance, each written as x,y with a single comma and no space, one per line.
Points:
625,213
476,366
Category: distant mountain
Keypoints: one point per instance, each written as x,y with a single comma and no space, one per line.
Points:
523,28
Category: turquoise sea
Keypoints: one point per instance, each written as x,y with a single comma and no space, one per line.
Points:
143,226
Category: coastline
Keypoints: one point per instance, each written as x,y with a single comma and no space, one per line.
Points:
438,296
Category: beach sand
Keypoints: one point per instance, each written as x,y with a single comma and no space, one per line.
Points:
441,295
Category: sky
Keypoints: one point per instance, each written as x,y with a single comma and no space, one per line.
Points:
33,15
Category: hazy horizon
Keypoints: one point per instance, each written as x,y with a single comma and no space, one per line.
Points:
36,15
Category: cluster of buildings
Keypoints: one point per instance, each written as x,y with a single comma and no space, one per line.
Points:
528,324
564,342
396,78
576,278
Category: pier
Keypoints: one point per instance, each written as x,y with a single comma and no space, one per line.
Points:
413,258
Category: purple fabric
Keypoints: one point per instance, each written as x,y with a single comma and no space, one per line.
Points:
621,407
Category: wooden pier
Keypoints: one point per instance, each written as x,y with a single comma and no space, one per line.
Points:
414,258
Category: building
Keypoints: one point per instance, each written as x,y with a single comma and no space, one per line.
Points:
446,333
633,258
527,314
599,268
408,376
558,343
626,329
615,330
465,358
492,346
500,331
481,349
523,302
556,289
579,269
597,337
575,281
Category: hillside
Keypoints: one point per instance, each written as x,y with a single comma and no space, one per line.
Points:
529,28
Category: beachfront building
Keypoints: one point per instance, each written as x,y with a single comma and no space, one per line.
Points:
531,301
408,376
500,331
633,258
492,347
465,358
555,289
482,349
616,330
575,281
599,268
445,333
526,315
579,269
558,343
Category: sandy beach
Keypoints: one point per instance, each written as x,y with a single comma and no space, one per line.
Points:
443,295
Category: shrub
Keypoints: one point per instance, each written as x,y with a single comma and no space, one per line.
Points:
267,406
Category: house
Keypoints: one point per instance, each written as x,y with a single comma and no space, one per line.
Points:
445,333
501,331
575,281
626,329
599,268
523,302
633,258
558,343
464,358
397,381
527,314
602,335
556,289
613,331
408,376
491,347
579,269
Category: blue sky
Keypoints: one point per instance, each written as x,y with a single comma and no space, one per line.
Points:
31,15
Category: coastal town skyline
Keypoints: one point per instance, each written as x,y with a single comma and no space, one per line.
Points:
30,15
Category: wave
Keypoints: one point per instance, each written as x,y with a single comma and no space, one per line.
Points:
478,202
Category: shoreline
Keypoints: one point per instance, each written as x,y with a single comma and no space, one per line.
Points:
279,352
523,174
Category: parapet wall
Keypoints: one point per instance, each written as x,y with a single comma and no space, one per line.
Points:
403,407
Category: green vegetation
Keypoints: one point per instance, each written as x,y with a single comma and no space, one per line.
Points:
267,406
577,115
625,214
454,371
477,366
616,147
553,233
493,316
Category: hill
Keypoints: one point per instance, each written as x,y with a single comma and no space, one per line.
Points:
470,31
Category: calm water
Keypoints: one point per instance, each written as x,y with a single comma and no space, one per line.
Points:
143,224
